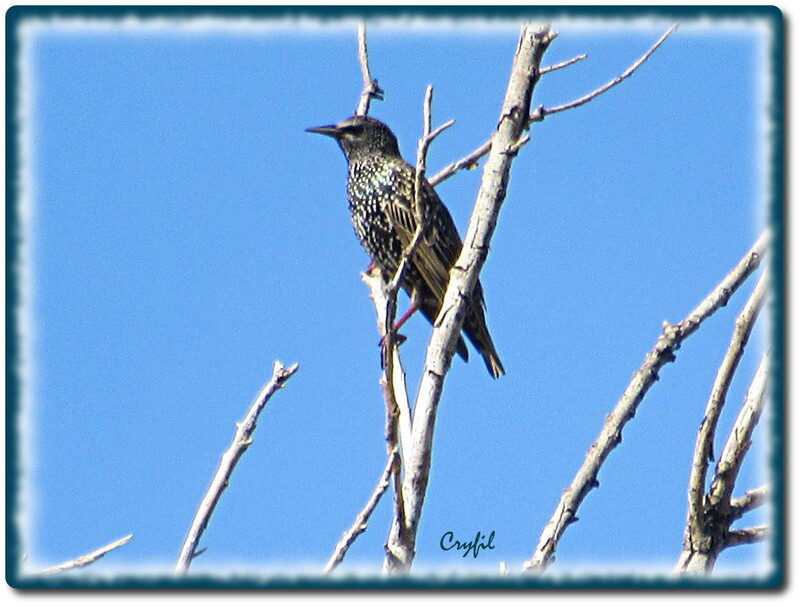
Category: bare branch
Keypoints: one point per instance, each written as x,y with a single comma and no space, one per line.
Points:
241,441
371,89
395,394
85,560
463,276
360,524
390,354
542,112
643,379
384,297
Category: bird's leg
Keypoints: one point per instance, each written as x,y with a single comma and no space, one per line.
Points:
403,319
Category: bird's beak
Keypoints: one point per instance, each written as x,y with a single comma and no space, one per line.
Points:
331,131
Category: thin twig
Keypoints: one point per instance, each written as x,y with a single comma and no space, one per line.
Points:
421,225
241,441
85,560
470,160
422,150
370,90
395,394
360,523
384,298
568,62
644,378
542,112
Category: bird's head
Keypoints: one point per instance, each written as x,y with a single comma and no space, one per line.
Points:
361,136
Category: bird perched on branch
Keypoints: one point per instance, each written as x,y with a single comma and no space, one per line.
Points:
380,189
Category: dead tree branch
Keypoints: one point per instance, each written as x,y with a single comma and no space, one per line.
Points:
670,340
561,65
541,112
371,90
393,385
85,560
360,524
241,441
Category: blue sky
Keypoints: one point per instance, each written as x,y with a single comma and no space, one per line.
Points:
183,232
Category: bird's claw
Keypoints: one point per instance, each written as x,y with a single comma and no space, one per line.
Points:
398,339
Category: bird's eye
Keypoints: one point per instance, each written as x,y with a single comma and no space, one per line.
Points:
354,129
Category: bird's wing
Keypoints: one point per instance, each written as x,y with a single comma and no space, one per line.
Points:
441,245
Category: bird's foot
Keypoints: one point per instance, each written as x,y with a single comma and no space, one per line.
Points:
398,339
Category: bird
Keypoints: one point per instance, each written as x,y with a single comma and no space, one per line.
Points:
380,192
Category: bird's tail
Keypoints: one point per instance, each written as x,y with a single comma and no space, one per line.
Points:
475,329
478,334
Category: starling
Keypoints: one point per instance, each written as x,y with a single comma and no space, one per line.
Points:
380,190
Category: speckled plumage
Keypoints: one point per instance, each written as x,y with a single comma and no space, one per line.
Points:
380,191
